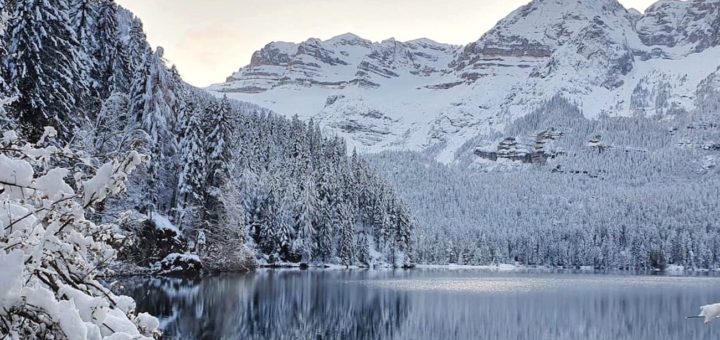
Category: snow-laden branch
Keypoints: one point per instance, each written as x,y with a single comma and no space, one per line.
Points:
709,312
50,253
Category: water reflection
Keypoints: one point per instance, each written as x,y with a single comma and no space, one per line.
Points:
427,305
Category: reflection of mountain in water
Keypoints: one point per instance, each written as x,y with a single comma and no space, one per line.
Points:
272,305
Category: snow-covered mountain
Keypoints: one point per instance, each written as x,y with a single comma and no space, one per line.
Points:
424,95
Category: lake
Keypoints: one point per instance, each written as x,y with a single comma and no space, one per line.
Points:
427,304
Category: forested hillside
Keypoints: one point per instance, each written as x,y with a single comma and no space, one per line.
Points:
226,180
559,189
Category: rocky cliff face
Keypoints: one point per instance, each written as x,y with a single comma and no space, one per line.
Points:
343,61
690,26
424,95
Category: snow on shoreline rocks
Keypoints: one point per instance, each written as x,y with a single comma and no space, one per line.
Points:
178,265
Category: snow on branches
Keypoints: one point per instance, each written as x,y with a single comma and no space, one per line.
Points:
50,254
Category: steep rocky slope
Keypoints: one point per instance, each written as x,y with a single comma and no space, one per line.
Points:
423,95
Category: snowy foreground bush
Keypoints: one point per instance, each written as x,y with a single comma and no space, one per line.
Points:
50,254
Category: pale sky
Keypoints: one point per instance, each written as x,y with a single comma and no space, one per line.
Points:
210,39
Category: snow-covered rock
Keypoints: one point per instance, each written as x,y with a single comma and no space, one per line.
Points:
178,264
424,95
150,240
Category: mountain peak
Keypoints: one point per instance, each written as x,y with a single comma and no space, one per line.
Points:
538,28
420,93
347,38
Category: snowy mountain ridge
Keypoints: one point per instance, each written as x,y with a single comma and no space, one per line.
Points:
423,95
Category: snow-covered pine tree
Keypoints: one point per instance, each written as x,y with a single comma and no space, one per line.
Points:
346,241
306,214
284,222
325,218
4,19
138,85
218,149
263,226
219,136
137,44
110,55
45,66
403,234
193,176
83,14
83,17
157,121
157,115
185,101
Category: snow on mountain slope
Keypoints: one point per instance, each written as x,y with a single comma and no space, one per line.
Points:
687,26
423,95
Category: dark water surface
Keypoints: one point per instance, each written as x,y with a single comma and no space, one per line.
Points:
428,304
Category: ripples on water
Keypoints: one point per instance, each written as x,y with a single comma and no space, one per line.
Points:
432,304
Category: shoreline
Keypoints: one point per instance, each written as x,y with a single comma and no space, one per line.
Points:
500,268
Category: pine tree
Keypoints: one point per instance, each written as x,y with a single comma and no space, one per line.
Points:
220,131
157,115
137,45
138,87
403,232
157,120
4,20
346,243
219,154
193,174
306,214
326,216
183,99
45,66
284,218
362,249
83,14
112,61
262,226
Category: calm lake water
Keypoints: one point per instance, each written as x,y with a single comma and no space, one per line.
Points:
428,304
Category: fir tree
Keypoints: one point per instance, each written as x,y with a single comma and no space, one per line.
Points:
83,14
156,120
138,86
4,20
110,55
219,153
220,130
193,175
157,115
304,229
346,242
45,66
137,45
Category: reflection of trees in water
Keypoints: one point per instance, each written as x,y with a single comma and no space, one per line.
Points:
272,305
614,312
346,305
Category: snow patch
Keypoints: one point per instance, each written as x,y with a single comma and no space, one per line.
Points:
162,222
